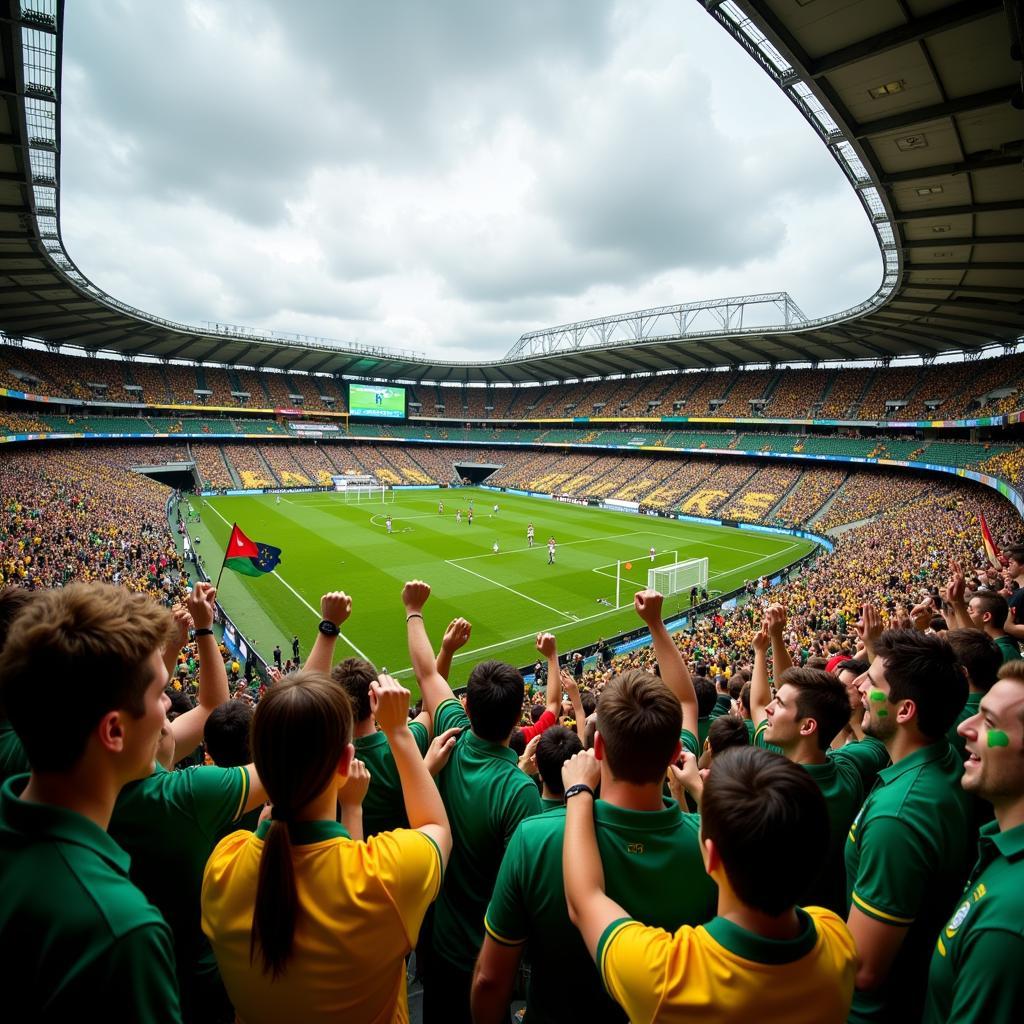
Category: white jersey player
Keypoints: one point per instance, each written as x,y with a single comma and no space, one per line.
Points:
529,535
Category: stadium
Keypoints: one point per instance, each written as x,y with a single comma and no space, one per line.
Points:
731,454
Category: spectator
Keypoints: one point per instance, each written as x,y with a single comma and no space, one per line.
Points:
307,922
762,957
73,929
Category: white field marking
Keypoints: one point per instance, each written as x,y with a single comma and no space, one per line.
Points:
571,543
525,597
303,600
461,655
396,519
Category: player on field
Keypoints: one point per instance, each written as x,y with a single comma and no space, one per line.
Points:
529,534
469,518
652,554
494,547
458,515
387,523
440,508
551,550
495,509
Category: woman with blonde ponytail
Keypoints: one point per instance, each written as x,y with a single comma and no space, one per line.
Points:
308,922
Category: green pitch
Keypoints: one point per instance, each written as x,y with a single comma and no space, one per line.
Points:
328,544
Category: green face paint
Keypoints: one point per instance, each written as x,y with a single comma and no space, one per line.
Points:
876,695
883,714
998,738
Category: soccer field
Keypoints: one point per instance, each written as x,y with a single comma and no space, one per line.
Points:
330,544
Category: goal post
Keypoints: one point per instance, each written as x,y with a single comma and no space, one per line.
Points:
638,560
361,489
679,577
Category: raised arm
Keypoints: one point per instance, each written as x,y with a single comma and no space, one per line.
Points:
335,608
455,636
674,673
869,629
423,805
572,689
351,796
775,618
182,624
548,647
187,729
760,694
433,685
590,909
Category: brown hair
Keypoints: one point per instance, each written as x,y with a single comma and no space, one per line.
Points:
755,801
639,719
821,696
355,676
299,733
73,655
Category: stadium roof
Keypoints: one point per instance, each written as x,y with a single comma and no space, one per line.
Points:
919,102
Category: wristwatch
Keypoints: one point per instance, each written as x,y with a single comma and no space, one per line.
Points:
580,787
328,628
202,632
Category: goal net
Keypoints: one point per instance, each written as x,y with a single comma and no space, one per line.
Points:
362,489
678,577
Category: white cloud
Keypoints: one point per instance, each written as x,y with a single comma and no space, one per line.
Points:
441,177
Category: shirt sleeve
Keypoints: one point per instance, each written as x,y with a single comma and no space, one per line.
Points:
506,920
989,983
868,756
420,735
140,966
408,864
218,795
545,721
449,714
893,871
524,803
690,742
632,960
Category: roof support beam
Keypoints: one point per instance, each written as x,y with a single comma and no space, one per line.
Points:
999,206
921,115
976,162
945,242
920,28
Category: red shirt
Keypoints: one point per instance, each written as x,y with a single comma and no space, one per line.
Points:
544,722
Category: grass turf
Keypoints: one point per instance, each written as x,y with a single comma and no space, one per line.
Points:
328,544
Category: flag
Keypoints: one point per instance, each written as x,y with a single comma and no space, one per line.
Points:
994,554
250,557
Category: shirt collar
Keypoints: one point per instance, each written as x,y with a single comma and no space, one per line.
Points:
925,755
305,833
58,824
1010,843
757,948
483,746
611,814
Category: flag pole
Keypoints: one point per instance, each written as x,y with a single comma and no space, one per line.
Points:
225,558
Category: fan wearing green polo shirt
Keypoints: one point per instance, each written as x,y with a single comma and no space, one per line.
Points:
12,754
981,660
553,748
170,822
809,709
988,612
653,847
486,797
762,957
909,848
82,679
976,965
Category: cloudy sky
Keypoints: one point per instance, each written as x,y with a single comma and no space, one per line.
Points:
439,176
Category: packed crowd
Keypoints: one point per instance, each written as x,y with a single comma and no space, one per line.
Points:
597,849
941,391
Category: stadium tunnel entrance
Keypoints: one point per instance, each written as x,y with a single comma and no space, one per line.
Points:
476,472
177,475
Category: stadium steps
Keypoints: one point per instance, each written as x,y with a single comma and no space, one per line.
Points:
777,507
823,511
265,463
232,473
851,412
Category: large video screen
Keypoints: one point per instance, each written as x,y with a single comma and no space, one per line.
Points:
380,401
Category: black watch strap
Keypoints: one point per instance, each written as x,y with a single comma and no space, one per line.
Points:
328,628
203,632
580,787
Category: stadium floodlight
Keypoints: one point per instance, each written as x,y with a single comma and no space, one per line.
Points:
678,577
